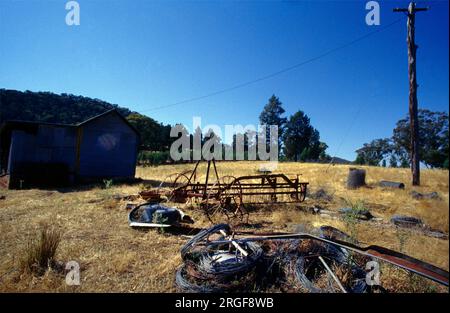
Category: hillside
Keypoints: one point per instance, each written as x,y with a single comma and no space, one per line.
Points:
72,109
50,107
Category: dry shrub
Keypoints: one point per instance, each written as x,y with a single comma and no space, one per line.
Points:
398,280
41,251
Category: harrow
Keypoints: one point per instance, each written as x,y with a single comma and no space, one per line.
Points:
228,195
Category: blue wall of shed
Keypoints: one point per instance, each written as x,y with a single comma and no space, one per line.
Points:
30,152
108,148
49,145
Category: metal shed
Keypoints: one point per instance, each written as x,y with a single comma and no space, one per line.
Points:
42,154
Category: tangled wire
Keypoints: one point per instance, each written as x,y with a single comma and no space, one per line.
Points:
289,264
220,268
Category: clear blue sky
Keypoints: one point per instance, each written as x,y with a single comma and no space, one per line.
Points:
146,54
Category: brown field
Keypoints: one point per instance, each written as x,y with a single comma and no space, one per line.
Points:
115,258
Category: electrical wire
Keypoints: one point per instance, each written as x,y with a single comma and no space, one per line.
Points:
279,72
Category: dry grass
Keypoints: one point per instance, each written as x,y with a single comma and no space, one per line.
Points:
40,252
115,258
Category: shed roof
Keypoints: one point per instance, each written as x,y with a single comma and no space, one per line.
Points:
32,125
106,113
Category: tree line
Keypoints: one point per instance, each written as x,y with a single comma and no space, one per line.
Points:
298,140
395,150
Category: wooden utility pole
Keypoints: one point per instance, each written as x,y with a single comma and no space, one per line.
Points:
413,116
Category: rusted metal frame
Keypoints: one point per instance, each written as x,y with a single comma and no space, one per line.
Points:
244,185
206,180
228,187
279,185
194,171
192,190
256,193
205,190
396,258
261,193
215,170
292,183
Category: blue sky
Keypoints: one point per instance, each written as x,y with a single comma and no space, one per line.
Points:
147,54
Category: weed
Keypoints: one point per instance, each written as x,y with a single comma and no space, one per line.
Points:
108,183
41,251
351,218
402,237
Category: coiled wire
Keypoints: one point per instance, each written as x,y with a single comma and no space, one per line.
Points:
222,268
216,269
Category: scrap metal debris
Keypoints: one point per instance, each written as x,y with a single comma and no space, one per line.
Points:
157,215
392,184
219,268
406,221
321,194
214,262
419,196
359,214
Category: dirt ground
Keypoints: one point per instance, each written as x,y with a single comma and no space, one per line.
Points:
116,258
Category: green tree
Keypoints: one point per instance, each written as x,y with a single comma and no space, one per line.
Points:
272,115
374,152
301,140
393,161
360,159
433,138
154,136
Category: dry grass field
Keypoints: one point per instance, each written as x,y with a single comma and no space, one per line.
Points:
115,258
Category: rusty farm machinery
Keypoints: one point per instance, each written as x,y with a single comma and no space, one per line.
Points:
227,195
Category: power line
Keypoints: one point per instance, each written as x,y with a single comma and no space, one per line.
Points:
282,71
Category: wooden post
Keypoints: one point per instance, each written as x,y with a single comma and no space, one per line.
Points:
413,116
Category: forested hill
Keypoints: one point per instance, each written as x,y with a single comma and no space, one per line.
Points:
50,107
71,109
